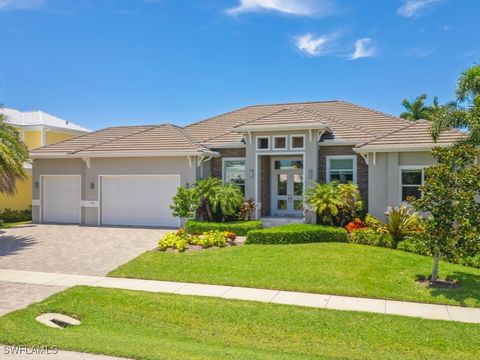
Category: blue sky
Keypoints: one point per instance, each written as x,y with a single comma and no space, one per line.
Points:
110,62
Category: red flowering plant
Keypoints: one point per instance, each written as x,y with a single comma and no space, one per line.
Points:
355,225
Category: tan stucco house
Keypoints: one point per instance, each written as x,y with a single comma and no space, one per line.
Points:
128,175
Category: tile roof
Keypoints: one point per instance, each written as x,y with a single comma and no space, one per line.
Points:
414,135
149,138
39,118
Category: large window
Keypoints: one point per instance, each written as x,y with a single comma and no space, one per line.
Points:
342,169
411,180
234,172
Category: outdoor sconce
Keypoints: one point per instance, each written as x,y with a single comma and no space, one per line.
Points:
310,174
92,185
250,173
36,185
187,185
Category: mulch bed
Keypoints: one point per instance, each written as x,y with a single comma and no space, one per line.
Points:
439,284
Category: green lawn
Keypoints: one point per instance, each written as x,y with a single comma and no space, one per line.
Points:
14,224
160,326
330,268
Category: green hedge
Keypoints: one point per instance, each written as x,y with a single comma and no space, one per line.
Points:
240,228
9,215
297,234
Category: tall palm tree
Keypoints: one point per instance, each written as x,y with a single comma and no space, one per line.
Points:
13,156
465,114
415,109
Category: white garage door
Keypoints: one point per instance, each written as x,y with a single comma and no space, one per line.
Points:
61,199
138,200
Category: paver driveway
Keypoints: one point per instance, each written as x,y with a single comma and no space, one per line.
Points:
69,249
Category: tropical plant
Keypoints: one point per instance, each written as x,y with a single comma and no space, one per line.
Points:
450,194
13,157
247,209
206,190
351,202
325,200
227,199
185,203
417,109
466,113
402,221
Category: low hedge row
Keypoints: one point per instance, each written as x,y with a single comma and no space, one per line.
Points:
9,215
239,228
297,234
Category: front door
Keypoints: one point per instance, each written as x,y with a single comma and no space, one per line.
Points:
287,187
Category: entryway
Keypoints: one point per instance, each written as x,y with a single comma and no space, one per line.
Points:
287,186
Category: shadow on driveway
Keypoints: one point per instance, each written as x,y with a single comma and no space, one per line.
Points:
13,244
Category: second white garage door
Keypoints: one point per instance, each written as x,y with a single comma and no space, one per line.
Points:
138,200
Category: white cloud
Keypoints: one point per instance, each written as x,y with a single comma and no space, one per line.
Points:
414,7
315,46
363,48
20,4
292,7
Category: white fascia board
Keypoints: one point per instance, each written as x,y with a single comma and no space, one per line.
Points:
366,149
225,146
280,127
53,128
122,154
338,142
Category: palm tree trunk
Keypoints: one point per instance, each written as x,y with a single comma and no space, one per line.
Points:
436,259
209,211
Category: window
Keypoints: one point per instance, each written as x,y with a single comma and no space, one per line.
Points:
342,169
288,164
411,180
297,142
234,172
279,142
263,143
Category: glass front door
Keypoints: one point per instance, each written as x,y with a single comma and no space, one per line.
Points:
287,187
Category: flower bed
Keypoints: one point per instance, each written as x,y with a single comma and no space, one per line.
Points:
240,228
182,240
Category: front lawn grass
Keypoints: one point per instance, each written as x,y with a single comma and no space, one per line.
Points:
328,268
145,325
14,224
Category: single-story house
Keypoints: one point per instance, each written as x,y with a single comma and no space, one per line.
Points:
128,175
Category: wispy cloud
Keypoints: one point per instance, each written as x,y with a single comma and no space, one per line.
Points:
21,4
314,45
415,7
420,53
363,48
292,7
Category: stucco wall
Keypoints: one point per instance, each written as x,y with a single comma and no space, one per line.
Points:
109,166
384,178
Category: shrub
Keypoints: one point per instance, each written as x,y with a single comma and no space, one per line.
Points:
367,236
172,240
240,228
355,225
473,261
414,244
9,215
181,239
403,221
296,234
209,239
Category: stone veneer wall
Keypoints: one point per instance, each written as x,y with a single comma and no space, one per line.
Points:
362,167
216,163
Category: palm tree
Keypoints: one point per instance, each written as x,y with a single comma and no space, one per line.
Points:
456,116
207,191
228,198
415,109
13,156
325,200
351,201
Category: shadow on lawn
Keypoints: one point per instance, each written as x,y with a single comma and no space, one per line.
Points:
469,288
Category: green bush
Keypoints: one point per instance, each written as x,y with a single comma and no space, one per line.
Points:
180,240
172,240
9,215
297,234
414,244
472,261
367,236
240,228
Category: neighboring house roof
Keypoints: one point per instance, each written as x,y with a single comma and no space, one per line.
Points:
414,136
146,140
39,118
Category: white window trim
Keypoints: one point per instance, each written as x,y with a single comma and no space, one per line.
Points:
291,141
278,137
341,157
409,167
230,159
262,137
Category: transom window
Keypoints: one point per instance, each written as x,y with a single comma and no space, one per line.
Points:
288,164
411,180
234,172
279,142
263,143
342,169
297,142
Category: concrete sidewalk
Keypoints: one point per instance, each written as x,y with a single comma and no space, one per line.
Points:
427,311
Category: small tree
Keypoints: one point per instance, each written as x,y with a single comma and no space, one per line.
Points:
185,203
207,190
325,200
452,222
228,199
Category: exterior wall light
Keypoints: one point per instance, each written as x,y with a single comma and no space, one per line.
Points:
92,185
37,185
310,174
250,173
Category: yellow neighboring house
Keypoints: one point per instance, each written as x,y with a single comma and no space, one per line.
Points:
36,129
